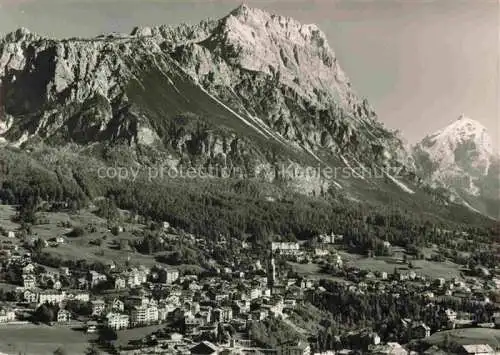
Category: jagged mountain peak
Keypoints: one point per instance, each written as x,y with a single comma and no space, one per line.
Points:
464,122
243,9
460,156
246,12
255,19
260,42
21,34
463,130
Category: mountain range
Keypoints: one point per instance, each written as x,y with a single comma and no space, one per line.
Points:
252,90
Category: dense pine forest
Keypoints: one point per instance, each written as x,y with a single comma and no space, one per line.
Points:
236,207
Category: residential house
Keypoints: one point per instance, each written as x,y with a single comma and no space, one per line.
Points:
91,326
287,248
496,319
223,314
289,303
374,338
482,271
51,296
451,315
476,349
110,265
428,294
163,314
306,283
209,331
140,275
389,348
98,307
29,281
78,295
403,276
117,321
321,252
63,316
117,305
255,293
327,238
434,350
83,283
221,296
30,296
145,314
7,315
152,313
420,330
294,348
168,275
138,300
259,314
28,269
205,314
370,275
133,278
337,260
95,278
82,296
241,307
120,283
191,323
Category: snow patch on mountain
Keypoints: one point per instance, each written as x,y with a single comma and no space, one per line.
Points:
400,184
353,171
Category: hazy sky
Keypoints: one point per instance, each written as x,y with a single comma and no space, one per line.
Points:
421,63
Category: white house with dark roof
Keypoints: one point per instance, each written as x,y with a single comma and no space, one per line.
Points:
477,349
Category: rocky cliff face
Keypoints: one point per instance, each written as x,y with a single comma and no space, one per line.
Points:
285,74
250,89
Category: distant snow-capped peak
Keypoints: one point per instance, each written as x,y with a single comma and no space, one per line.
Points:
461,131
460,154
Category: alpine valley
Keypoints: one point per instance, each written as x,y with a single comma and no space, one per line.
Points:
251,93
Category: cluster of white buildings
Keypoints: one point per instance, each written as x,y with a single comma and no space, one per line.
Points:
285,248
136,277
54,296
133,277
144,311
